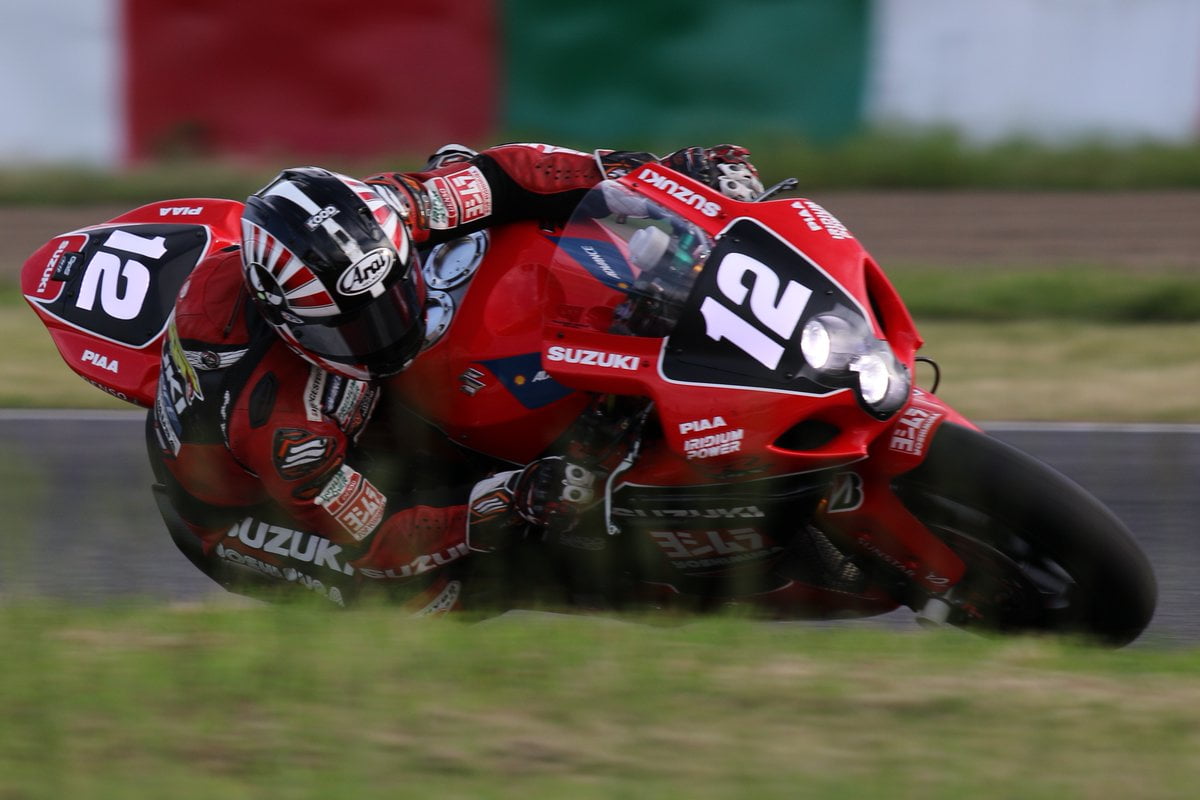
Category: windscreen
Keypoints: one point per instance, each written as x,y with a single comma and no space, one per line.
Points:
647,255
732,309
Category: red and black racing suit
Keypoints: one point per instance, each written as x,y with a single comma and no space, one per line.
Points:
259,451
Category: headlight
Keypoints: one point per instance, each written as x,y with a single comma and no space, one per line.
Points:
873,378
844,352
829,342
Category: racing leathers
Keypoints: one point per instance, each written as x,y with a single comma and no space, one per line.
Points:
259,451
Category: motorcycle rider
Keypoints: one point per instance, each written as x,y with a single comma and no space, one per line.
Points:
273,362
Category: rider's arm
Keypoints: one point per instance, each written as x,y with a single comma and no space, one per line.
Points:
540,181
295,431
500,184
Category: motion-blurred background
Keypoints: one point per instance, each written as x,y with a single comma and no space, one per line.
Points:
1028,173
120,82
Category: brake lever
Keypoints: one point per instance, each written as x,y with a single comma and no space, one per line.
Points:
785,185
630,457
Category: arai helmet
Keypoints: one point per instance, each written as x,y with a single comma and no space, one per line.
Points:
329,262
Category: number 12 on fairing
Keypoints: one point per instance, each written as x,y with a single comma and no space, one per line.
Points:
777,314
105,270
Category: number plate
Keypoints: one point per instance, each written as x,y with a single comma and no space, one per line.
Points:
741,325
122,285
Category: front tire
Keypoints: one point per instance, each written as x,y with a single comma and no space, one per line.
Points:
1042,554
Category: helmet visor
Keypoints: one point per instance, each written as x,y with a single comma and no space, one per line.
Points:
381,338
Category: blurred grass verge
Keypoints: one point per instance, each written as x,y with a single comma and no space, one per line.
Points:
1079,293
289,702
1060,345
873,160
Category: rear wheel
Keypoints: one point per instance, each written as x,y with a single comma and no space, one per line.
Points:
1042,554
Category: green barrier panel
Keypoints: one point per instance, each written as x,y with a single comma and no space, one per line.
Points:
625,72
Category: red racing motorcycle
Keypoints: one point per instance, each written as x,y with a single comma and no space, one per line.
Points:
738,374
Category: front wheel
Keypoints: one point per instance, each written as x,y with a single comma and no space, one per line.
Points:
1042,554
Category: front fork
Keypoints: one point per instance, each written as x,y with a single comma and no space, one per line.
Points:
863,512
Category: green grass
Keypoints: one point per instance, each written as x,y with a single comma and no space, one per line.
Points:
32,373
285,702
1066,370
82,185
876,159
1087,294
943,160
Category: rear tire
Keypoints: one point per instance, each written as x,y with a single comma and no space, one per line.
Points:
1042,554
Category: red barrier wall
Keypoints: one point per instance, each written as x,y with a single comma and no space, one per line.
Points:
307,77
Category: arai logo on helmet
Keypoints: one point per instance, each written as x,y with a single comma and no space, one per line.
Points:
366,272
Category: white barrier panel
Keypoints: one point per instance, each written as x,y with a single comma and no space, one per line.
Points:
61,96
1050,69
1053,70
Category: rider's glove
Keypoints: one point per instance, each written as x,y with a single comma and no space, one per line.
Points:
553,492
617,163
409,197
725,167
449,154
549,494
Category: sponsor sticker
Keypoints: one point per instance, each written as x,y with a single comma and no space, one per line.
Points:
522,375
289,574
440,205
353,501
100,361
65,269
912,429
314,390
181,211
299,453
705,424
818,219
297,546
671,187
846,494
349,402
52,265
734,512
594,358
472,193
458,198
601,259
714,444
318,219
713,549
419,565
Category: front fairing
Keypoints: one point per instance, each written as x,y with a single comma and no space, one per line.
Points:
667,290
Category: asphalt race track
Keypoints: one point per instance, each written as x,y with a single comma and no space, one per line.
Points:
80,525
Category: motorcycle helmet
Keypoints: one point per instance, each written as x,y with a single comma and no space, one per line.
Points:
329,263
